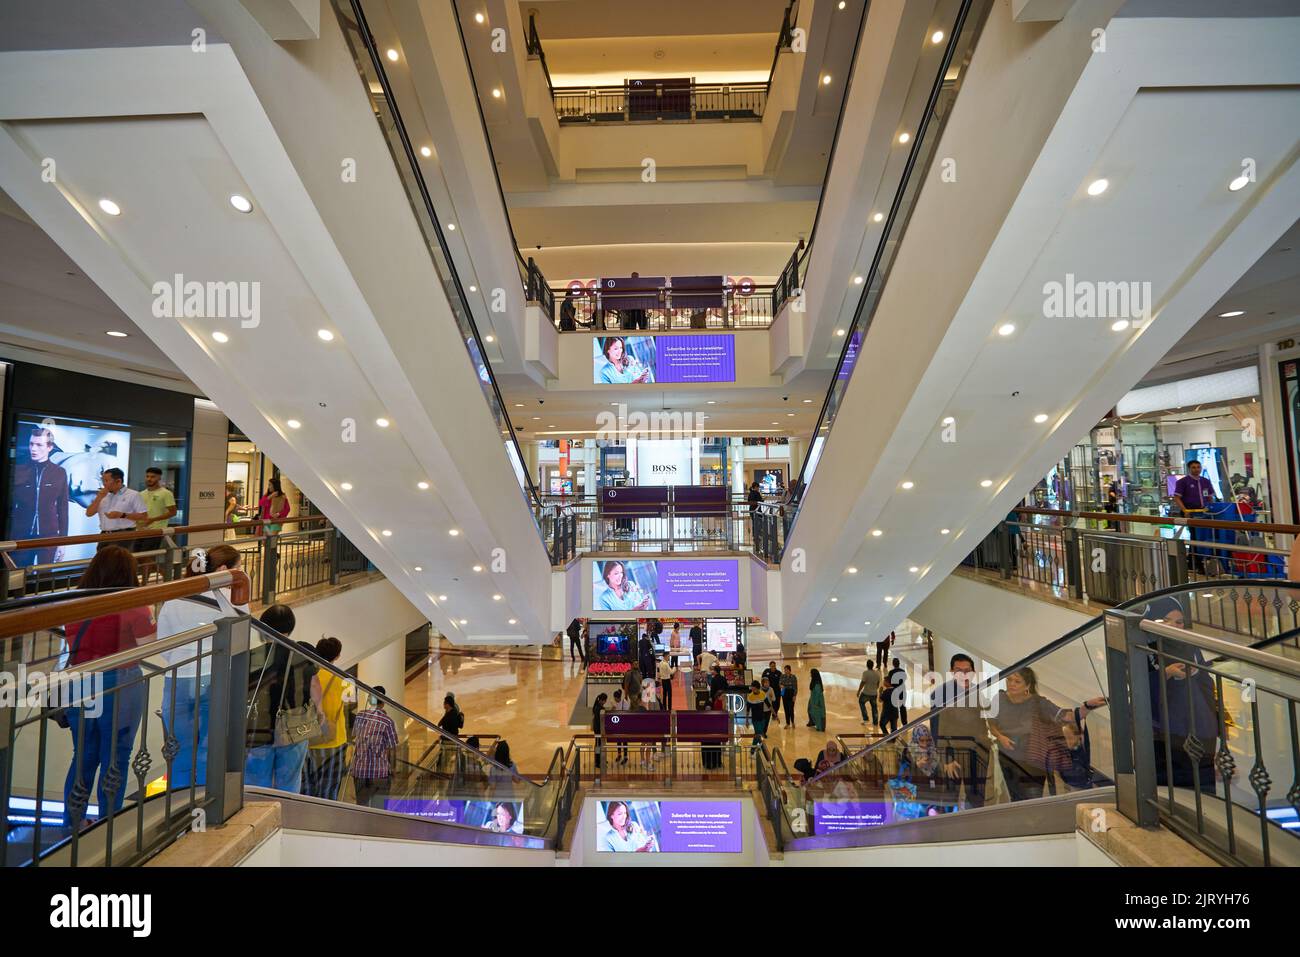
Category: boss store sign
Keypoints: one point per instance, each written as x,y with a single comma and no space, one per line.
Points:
664,461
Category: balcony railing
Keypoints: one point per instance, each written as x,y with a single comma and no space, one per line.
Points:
743,307
652,101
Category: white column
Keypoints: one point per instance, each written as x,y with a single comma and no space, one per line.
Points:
386,667
736,466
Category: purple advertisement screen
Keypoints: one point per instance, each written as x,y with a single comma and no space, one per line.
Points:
696,358
449,812
699,585
851,356
670,827
832,816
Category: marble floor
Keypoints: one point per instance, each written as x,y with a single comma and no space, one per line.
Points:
528,695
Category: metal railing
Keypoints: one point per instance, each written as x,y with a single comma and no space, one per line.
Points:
1204,746
747,307
277,563
655,101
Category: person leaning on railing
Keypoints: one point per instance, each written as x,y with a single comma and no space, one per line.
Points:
104,727
185,689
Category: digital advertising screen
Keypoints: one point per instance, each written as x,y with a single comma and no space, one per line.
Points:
831,817
611,641
500,817
669,827
720,634
642,360
56,475
694,584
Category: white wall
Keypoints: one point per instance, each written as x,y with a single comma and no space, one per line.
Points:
1056,850
364,618
314,849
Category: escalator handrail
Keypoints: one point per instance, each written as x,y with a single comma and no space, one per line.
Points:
1051,647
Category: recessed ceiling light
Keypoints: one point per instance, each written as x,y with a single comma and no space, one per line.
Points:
858,280
1040,418
473,288
841,4
453,532
519,405
489,339
839,332
392,54
451,227
294,424
986,483
807,401
713,402
325,335
478,568
1241,182
496,93
496,597
889,598
117,335
464,622
346,486
876,533
1223,315
936,36
537,418
110,207
914,569
387,533
479,18
1119,325
878,217
826,80
789,415
382,423
904,137
442,598
1006,328
834,599
422,486
852,569
866,622
514,621
944,531
419,568
819,624
426,152
1098,186
948,420
909,484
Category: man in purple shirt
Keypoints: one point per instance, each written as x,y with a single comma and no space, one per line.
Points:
1193,494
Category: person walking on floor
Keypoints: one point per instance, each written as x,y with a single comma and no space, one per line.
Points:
789,691
621,703
666,673
868,690
697,645
575,641
897,681
759,713
816,701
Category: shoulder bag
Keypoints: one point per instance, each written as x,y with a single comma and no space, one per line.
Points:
294,725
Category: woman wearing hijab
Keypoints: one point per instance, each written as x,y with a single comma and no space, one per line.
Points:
1192,710
816,702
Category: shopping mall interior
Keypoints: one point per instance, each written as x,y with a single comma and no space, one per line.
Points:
432,433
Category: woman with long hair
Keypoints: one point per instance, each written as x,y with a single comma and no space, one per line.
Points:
620,593
624,834
104,723
273,507
619,366
185,686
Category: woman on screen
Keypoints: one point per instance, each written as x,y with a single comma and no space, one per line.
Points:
504,820
620,592
624,834
620,367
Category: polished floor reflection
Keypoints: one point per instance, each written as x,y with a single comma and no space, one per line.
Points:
529,696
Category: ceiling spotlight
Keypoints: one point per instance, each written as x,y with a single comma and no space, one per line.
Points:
392,54
514,621
807,401
834,599
241,203
294,424
948,420
1098,186
489,339
914,569
1006,328
936,36
325,335
986,483
904,137
451,227
117,335
826,80
519,405
866,622
1040,418
889,598
419,568
841,4
422,486
852,569
839,332
217,336
426,152
819,624
789,415
464,622
473,288
479,18
346,486
442,598
1241,182
478,568
382,423
1119,325
713,402
496,93
1223,315
496,597
110,207
453,532
776,423
878,217
876,533
909,484
944,531
858,280
387,533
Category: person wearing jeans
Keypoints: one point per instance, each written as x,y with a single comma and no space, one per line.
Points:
789,690
868,690
286,681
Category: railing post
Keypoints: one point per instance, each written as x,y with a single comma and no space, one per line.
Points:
270,567
1073,568
227,707
334,555
1132,736
1177,561
1006,558
170,558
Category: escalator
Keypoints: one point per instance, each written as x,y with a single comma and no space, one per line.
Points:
1207,751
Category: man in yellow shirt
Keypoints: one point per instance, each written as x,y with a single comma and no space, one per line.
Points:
161,505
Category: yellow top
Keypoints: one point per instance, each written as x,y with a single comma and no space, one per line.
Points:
331,702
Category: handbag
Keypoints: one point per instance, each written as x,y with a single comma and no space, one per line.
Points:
294,725
54,712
